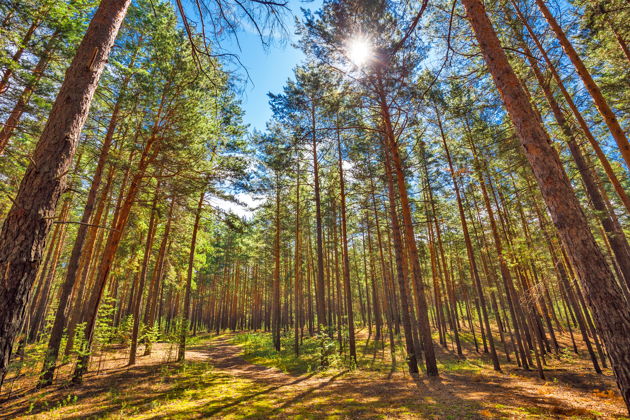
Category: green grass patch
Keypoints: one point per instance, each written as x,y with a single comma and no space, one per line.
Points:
258,349
467,365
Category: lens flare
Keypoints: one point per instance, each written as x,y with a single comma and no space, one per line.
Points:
359,51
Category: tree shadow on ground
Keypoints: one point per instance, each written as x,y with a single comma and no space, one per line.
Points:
218,383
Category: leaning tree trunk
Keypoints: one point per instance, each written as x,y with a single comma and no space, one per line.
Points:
119,224
600,102
576,112
604,295
613,231
14,117
401,269
471,255
23,235
421,303
78,248
137,304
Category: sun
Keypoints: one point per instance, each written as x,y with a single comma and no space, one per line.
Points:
359,50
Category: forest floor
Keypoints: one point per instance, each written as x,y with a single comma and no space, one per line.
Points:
239,376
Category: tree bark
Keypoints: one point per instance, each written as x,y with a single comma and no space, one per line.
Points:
72,271
181,352
14,117
344,254
298,263
604,295
275,305
319,284
576,112
156,280
143,277
26,226
471,256
614,233
410,237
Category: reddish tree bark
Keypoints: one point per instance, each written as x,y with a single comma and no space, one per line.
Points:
605,297
14,117
181,352
23,235
593,88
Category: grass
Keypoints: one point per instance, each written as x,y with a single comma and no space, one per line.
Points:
258,349
171,391
196,389
371,355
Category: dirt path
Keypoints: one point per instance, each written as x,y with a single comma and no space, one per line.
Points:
227,357
219,383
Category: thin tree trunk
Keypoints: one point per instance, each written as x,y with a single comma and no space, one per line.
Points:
471,257
275,305
181,351
600,102
113,241
401,270
319,284
52,352
344,254
14,117
410,238
156,281
143,276
298,263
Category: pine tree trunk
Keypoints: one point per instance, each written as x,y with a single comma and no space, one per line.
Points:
275,305
298,264
72,271
143,277
401,271
113,241
23,235
449,287
156,281
181,351
16,114
471,260
344,254
92,245
614,233
319,283
410,238
604,295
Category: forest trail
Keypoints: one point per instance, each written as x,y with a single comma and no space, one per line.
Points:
218,382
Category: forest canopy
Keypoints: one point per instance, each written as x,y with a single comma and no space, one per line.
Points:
441,191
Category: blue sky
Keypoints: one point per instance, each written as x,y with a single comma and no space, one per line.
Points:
268,69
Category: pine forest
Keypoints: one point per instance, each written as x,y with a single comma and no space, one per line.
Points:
314,209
